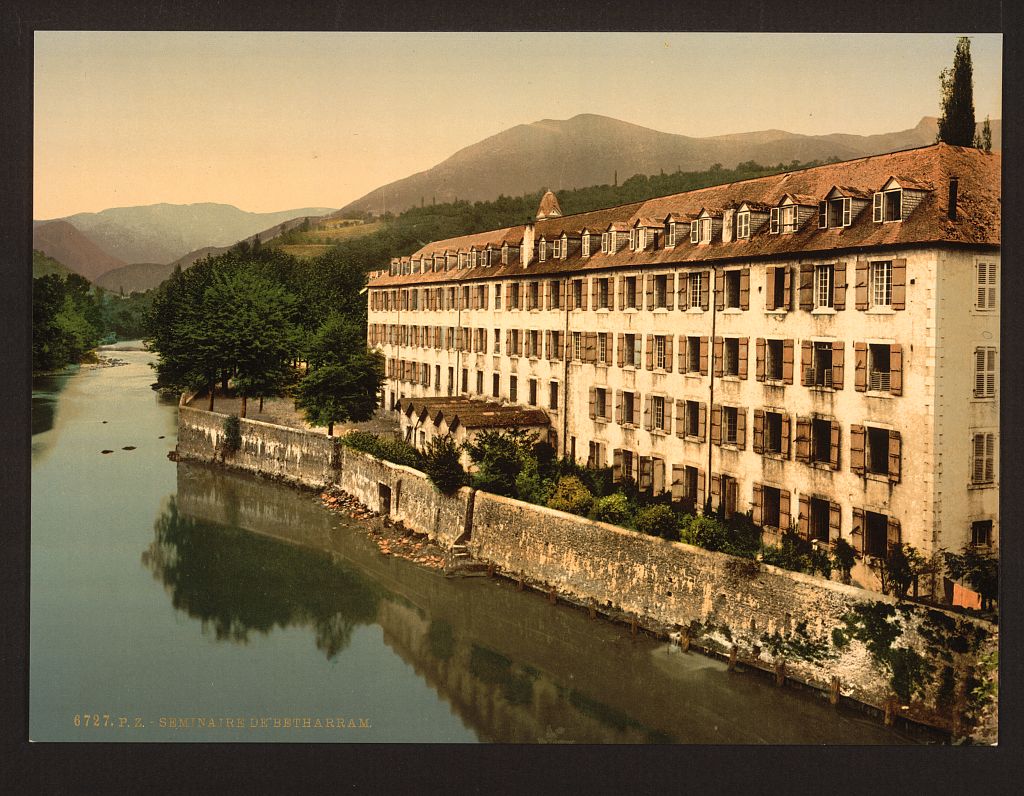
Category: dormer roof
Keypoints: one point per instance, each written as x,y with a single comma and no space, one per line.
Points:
549,207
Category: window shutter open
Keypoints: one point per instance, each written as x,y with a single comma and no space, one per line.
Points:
617,464
620,289
804,521
896,369
669,340
859,530
806,363
860,287
694,234
895,455
835,519
701,493
892,532
702,421
759,431
593,403
650,352
670,291
803,439
847,211
680,417
594,292
716,424
719,290
636,409
758,516
860,367
899,284
743,356
621,342
716,491
787,291
857,437
591,338
773,224
769,288
759,355
744,288
718,357
822,215
648,414
683,292
618,408
788,355
784,509
638,346
704,356
583,294
839,297
833,449
705,290
648,291
786,431
838,360
807,287
876,209
682,354
741,427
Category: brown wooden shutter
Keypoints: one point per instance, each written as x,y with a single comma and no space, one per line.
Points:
788,355
807,287
857,438
701,493
683,291
769,288
670,291
716,491
839,297
859,529
759,431
719,343
860,285
508,343
744,288
716,424
892,532
784,509
636,409
804,521
620,340
833,450
669,340
719,290
649,291
617,464
648,414
758,515
702,420
896,369
805,363
618,407
803,439
591,347
705,290
583,295
835,520
682,354
680,417
620,288
458,338
838,359
787,296
899,284
649,351
704,356
594,291
593,403
895,455
786,433
759,346
860,366
741,427
744,355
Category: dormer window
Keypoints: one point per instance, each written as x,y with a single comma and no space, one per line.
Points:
543,255
556,249
836,212
586,244
888,205
633,238
694,232
701,229
606,242
743,224
641,239
485,256
671,233
565,246
784,219
504,254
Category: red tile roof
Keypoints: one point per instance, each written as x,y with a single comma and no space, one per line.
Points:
978,215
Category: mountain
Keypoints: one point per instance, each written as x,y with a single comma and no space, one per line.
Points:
591,150
162,233
43,265
66,244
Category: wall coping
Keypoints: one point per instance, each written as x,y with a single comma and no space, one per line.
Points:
406,469
263,423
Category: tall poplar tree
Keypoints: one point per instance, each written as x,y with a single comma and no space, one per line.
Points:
956,124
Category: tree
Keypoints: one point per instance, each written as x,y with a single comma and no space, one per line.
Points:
500,457
956,124
977,566
983,140
571,495
442,464
344,376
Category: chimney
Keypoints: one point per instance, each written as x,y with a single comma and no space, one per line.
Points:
952,198
526,253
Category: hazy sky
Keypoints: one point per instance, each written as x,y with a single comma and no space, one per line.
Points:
274,121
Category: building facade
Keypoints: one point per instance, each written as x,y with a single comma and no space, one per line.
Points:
818,347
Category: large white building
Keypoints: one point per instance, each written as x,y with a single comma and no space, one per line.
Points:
818,347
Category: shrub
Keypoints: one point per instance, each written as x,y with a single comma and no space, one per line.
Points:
706,532
611,508
571,495
658,520
843,558
232,433
531,485
387,448
798,555
500,456
441,463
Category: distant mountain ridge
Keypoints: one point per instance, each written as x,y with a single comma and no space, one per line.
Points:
162,233
69,246
591,150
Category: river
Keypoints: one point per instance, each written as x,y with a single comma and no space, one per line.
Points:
179,602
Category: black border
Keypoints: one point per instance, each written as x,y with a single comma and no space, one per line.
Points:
30,768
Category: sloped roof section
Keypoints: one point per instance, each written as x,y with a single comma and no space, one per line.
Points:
549,207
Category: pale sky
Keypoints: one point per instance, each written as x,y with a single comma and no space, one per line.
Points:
274,121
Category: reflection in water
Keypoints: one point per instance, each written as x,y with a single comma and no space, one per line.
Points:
238,582
45,395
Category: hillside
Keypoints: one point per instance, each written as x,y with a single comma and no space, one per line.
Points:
66,244
134,278
163,233
591,150
43,265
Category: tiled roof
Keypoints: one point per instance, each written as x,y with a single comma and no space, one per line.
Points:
978,216
549,206
474,413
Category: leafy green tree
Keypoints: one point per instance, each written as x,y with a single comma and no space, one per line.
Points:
611,508
979,567
797,554
344,377
900,567
442,464
658,520
500,456
956,124
843,558
984,139
571,495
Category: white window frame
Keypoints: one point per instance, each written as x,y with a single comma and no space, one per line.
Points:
634,237
658,412
556,249
586,244
880,283
577,346
605,242
789,218
543,250
694,232
602,348
730,425
881,204
671,233
743,224
705,227
824,286
985,369
695,286
659,351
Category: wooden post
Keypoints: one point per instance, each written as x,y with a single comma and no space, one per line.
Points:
519,584
732,658
780,673
552,596
491,568
632,626
592,610
890,711
686,640
833,691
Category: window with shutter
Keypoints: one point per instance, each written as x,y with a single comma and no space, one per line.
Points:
985,278
984,372
983,450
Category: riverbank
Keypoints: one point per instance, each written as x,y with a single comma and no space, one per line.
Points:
920,663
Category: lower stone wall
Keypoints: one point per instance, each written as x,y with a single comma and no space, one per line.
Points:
414,500
289,454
